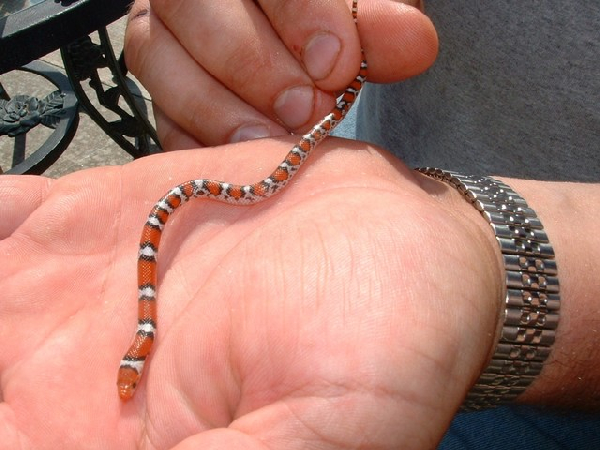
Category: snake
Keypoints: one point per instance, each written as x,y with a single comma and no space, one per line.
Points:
132,363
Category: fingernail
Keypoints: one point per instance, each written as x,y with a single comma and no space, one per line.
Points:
249,132
294,106
320,55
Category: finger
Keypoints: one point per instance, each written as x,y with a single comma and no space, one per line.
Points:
21,196
405,45
419,4
171,135
234,42
398,39
321,35
185,92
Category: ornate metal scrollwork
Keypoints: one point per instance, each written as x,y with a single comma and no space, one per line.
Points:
87,58
83,59
21,113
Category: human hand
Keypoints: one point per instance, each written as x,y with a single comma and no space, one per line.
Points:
331,316
233,70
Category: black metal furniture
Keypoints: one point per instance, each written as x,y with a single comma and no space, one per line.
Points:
30,29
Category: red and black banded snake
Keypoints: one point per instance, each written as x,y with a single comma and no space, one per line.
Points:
132,363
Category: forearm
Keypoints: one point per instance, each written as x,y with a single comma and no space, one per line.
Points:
570,213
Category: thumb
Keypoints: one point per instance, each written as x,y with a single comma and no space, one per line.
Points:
399,41
353,419
221,438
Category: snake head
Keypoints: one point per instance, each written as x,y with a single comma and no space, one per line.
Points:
127,381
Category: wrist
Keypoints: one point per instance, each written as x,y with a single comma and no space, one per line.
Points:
570,213
531,304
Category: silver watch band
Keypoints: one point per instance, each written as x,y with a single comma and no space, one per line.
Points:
532,291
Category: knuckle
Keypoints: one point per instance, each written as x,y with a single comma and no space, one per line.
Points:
245,61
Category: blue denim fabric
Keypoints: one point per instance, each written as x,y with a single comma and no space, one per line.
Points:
347,129
523,428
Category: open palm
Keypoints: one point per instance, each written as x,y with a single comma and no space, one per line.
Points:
317,319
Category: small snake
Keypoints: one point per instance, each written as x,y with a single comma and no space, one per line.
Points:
132,364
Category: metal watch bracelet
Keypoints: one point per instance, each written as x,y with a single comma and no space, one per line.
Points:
532,300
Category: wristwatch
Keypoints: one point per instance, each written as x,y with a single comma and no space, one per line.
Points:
531,308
